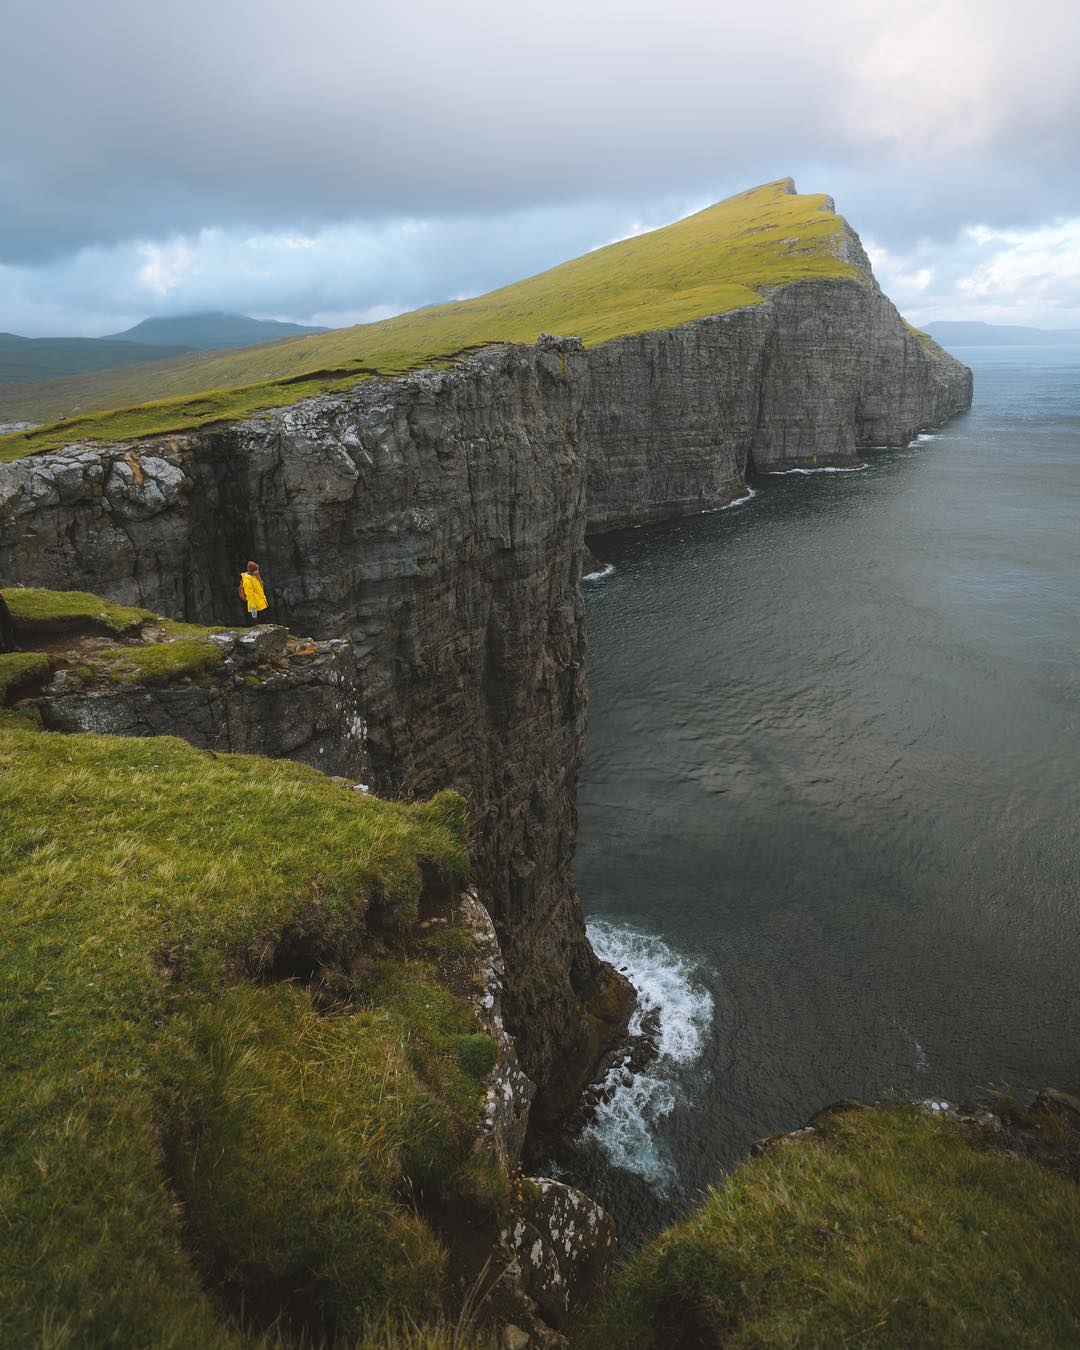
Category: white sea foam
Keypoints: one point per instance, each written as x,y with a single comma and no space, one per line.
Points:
922,1062
825,468
604,570
749,496
624,1121
925,436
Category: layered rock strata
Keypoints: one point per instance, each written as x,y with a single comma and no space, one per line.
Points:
678,421
436,522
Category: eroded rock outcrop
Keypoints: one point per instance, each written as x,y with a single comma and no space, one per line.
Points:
556,1248
269,697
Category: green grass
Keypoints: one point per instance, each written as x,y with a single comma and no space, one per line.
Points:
890,1227
41,615
18,667
161,662
719,259
928,343
189,1127
174,628
39,612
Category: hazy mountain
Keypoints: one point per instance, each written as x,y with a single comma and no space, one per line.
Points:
23,359
50,358
974,333
207,331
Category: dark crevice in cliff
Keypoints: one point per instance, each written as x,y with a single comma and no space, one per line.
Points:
226,533
7,628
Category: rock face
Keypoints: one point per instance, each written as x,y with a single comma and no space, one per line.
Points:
561,1247
263,701
436,522
558,1246
677,421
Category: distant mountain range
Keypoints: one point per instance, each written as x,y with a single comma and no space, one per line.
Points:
207,332
976,334
23,359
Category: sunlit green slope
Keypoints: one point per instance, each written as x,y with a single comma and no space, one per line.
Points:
720,259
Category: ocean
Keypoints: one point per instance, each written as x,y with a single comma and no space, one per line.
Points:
830,808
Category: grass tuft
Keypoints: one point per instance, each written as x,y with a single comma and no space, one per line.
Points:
18,668
161,662
477,1054
38,612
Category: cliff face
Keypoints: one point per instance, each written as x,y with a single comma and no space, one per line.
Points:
436,522
282,1016
269,697
677,421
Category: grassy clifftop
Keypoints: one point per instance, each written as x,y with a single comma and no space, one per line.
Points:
722,258
127,644
884,1227
225,1083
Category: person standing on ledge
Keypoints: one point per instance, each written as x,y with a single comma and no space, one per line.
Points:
251,591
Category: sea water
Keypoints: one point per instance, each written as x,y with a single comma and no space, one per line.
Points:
830,809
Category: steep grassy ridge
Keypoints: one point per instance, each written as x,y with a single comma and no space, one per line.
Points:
720,259
885,1227
222,1087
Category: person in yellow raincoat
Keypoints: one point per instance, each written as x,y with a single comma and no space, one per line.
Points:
251,591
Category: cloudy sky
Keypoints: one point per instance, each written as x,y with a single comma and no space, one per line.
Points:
331,161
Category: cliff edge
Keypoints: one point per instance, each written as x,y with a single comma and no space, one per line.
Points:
259,1085
906,1223
434,521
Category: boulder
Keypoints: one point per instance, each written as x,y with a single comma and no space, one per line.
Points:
264,642
560,1247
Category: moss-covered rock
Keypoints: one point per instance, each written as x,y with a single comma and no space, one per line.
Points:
18,668
39,613
161,662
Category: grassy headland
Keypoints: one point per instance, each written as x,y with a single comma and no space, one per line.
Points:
885,1227
720,259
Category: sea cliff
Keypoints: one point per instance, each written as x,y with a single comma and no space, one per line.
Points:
435,522
427,531
678,421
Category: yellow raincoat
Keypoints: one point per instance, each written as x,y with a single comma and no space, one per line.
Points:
254,595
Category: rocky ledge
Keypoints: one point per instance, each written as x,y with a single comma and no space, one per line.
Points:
270,694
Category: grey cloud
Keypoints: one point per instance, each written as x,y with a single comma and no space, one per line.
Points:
137,117
136,120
